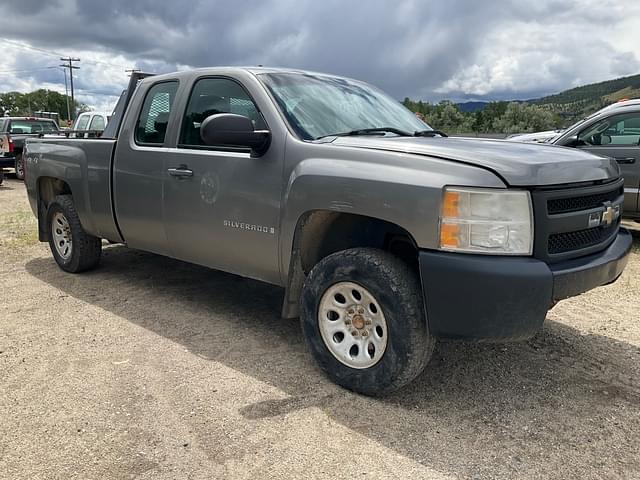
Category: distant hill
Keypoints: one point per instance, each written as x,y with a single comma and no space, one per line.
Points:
580,101
472,106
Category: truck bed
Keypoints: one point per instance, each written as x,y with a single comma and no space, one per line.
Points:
86,166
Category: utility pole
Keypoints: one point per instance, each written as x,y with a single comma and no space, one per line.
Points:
66,94
71,68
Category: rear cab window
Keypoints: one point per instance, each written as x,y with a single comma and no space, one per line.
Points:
151,126
97,123
32,126
82,122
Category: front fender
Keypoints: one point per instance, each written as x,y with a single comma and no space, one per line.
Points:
405,196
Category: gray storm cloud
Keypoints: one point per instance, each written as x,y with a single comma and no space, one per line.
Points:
422,49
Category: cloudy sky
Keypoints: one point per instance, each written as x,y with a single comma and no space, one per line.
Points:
458,49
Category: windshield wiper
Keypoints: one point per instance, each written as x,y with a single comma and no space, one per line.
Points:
369,131
429,133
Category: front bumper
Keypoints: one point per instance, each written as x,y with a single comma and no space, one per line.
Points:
489,298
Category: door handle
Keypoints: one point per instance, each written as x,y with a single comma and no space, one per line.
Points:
625,160
181,172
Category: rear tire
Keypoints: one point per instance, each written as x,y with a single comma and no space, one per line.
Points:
73,249
388,295
20,167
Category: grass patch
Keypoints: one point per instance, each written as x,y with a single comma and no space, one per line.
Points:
19,229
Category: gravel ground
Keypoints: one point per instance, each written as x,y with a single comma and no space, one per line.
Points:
151,368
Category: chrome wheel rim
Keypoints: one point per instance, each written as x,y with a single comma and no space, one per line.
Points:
20,167
61,234
352,325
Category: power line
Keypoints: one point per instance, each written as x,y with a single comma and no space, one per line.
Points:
29,47
26,70
56,54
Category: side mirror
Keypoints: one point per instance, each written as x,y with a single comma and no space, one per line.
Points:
233,130
574,141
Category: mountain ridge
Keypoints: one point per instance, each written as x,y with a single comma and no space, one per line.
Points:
577,100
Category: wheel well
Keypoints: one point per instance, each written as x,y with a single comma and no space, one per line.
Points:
320,233
323,233
48,189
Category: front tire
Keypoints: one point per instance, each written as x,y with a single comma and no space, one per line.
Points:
20,167
73,249
363,319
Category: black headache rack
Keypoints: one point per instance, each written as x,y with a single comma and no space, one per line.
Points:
113,127
73,134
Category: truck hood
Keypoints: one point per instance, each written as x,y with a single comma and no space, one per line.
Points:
518,164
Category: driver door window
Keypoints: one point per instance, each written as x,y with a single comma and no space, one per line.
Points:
619,130
211,96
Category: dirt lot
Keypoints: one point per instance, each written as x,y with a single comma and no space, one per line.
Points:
151,368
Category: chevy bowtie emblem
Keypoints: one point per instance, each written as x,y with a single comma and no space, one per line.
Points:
604,217
610,214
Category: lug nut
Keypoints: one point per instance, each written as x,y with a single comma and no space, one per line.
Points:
347,322
367,322
354,333
365,333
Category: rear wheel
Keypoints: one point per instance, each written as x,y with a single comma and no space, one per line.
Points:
20,167
363,319
73,249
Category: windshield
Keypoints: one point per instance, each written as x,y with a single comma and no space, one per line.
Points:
32,126
317,106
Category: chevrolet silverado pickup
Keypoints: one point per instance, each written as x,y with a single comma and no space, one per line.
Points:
384,233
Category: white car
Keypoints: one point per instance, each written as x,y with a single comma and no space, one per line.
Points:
92,123
536,137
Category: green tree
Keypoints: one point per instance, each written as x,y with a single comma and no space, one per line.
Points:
522,117
17,104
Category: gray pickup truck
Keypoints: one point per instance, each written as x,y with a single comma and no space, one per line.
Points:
384,233
613,132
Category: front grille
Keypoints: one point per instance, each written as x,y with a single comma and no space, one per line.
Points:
563,216
566,242
585,202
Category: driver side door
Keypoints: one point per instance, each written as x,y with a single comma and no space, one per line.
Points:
221,204
618,137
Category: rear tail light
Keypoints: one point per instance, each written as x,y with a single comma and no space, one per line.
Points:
11,146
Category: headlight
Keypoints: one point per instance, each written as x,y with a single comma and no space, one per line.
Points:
489,221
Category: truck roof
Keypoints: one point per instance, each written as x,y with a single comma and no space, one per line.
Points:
29,118
231,70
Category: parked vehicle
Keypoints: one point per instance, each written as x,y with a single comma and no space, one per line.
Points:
613,132
55,116
13,132
537,137
89,124
384,233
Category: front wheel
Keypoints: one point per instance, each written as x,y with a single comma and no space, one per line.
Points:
20,167
363,319
73,249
